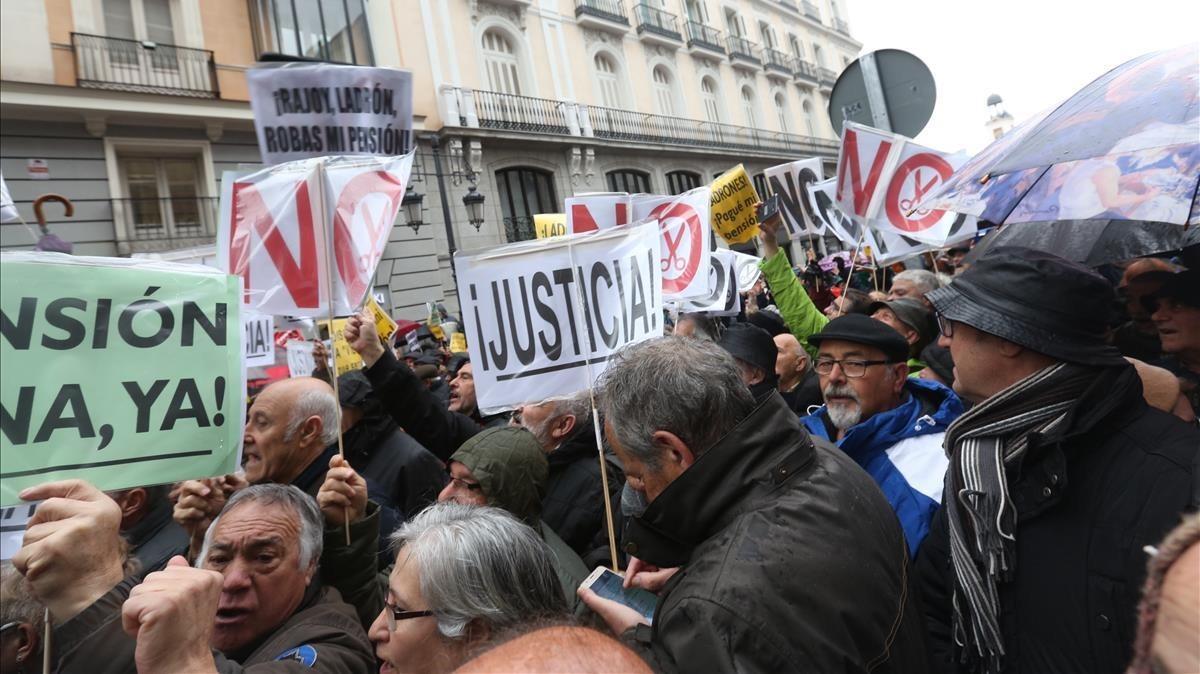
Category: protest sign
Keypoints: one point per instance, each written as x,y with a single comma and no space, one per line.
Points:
732,206
305,110
747,270
686,244
77,399
458,343
543,317
885,247
258,338
724,299
276,226
597,210
790,182
384,325
345,358
300,358
549,224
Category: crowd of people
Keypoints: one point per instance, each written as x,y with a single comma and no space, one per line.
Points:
968,468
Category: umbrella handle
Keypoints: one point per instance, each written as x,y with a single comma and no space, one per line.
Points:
68,209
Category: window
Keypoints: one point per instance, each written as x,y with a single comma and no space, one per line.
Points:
760,185
329,30
628,180
524,193
781,110
734,23
679,182
818,56
139,20
695,10
768,35
501,64
164,197
797,50
708,93
664,93
808,118
748,107
610,85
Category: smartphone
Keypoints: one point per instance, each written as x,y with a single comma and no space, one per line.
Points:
769,209
607,584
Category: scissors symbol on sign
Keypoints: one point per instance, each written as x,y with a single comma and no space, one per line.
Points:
673,258
919,190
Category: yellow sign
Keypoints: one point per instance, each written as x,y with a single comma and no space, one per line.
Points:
345,358
733,201
383,323
546,225
458,343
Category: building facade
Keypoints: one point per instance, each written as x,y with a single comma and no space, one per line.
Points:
133,109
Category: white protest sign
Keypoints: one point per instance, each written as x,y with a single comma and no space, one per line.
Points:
305,110
885,247
300,359
543,317
790,182
724,299
597,210
276,225
259,339
12,528
686,242
747,269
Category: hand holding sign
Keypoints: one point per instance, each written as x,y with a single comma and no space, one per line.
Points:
343,495
171,616
73,551
361,335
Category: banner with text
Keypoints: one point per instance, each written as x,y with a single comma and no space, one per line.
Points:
543,317
276,225
258,339
78,400
790,182
724,299
546,225
733,200
305,110
885,247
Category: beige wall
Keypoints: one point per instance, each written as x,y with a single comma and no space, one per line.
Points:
226,26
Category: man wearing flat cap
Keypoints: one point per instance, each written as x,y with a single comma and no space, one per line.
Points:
889,423
1059,475
913,320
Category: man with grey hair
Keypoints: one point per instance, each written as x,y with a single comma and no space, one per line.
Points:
574,503
253,603
776,535
914,283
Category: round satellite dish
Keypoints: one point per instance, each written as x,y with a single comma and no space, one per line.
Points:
889,89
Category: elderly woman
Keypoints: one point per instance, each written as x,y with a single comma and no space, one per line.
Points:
462,574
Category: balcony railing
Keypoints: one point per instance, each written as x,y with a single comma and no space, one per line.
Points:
521,113
654,20
740,47
810,10
611,10
841,26
130,65
700,35
519,228
778,61
180,221
826,76
790,4
806,71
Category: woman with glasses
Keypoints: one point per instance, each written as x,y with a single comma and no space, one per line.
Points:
462,574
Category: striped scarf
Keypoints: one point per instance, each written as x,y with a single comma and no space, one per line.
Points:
982,520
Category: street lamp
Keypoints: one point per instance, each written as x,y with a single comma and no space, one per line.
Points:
474,204
412,208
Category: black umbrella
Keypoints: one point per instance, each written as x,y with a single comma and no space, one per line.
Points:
1090,242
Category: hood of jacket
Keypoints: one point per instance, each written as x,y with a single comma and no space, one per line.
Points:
928,408
511,468
757,455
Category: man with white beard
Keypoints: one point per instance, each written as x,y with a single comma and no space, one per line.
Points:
890,424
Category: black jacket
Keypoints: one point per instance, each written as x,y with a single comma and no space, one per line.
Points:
804,396
404,470
574,501
421,413
156,539
1088,500
792,560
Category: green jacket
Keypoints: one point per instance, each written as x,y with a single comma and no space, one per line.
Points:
799,313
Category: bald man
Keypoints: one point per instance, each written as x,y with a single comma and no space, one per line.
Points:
798,382
557,650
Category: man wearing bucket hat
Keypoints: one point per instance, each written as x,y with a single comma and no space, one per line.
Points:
913,320
1059,475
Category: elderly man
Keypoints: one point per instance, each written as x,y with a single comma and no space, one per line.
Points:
913,320
913,284
756,357
253,604
1059,475
574,503
889,423
791,561
798,381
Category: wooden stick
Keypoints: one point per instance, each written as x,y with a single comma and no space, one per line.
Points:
853,259
46,631
608,517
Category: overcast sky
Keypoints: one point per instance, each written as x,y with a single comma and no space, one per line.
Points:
1033,53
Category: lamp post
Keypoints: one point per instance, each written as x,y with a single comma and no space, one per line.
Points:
412,208
473,201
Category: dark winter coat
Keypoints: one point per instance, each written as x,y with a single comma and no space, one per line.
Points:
421,413
1088,499
791,560
574,502
806,395
310,480
156,539
404,470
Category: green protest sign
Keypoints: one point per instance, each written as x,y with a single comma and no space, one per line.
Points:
120,372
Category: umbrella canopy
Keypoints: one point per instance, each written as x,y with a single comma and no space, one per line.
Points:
1125,147
1089,242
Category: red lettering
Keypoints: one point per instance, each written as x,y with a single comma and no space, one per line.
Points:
301,280
862,196
359,188
581,220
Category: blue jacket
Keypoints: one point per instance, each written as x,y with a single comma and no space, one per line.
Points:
901,449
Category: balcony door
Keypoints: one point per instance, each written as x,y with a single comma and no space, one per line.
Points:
524,193
163,199
135,22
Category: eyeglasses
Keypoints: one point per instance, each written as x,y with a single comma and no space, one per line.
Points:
463,484
945,325
8,626
851,367
395,615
